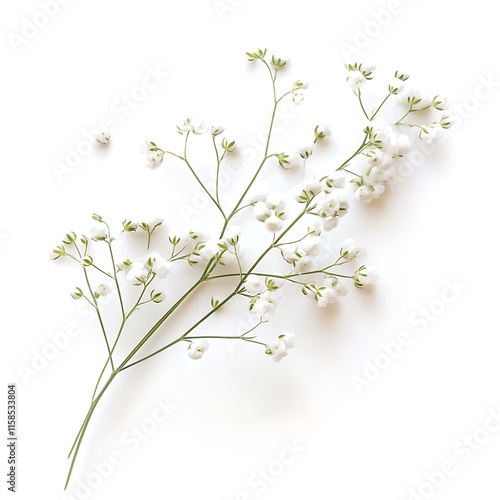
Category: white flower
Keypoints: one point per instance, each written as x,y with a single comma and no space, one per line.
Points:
146,147
199,127
99,232
306,151
210,248
103,137
290,252
261,212
122,263
278,350
341,289
440,103
232,235
376,158
351,250
273,224
365,276
292,162
355,79
375,176
265,304
162,268
364,194
311,245
259,192
253,284
298,96
104,288
330,223
396,86
315,228
217,129
154,160
275,201
321,131
335,181
304,265
326,296
288,338
185,126
401,146
197,348
138,273
431,134
313,188
76,293
330,205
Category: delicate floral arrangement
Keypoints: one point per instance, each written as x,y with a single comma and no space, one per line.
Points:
293,222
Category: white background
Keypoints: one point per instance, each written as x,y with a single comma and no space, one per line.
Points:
236,409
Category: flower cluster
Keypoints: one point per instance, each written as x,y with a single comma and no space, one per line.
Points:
290,255
278,348
271,210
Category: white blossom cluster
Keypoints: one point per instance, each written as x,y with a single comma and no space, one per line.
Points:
385,143
287,247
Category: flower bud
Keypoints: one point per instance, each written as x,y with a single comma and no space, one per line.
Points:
58,251
87,261
158,296
129,226
217,130
76,293
288,338
258,54
99,233
103,289
278,62
69,238
401,76
122,264
440,103
197,348
321,132
228,146
103,137
306,151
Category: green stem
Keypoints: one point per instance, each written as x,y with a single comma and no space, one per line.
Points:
99,316
218,170
216,203
363,146
227,299
380,107
266,151
116,279
361,103
85,424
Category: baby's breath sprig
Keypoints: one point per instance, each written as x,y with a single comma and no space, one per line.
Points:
292,224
